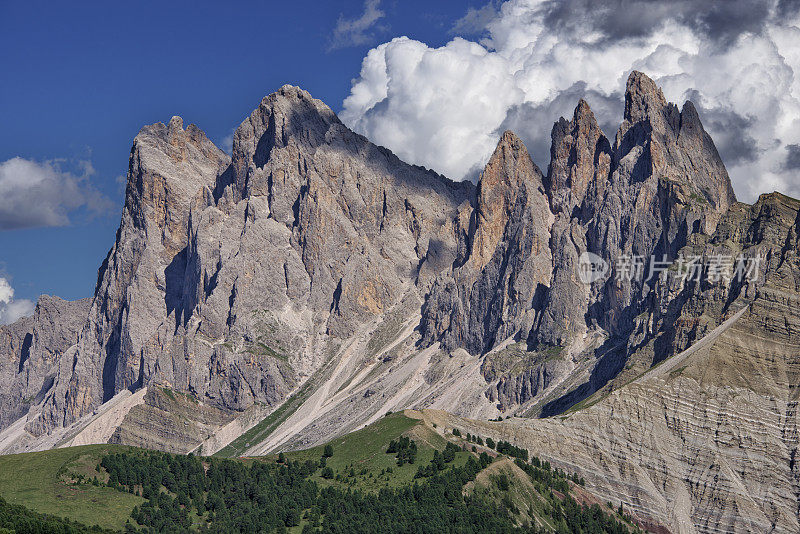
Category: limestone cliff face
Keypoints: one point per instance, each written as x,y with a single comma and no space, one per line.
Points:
352,226
234,278
641,201
580,160
708,405
30,351
659,183
130,327
645,196
495,289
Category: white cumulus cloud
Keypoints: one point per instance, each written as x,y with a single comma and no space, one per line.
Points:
738,61
12,309
43,194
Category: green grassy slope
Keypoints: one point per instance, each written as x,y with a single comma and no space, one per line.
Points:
40,481
365,450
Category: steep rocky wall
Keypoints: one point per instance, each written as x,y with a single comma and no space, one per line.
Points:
233,279
520,273
30,350
495,288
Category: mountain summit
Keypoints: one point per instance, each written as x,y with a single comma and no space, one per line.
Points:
312,281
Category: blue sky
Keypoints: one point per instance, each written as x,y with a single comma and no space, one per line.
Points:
81,78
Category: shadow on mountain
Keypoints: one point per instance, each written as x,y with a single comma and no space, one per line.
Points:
611,356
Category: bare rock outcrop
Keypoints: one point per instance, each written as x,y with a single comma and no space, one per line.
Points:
232,279
496,288
30,351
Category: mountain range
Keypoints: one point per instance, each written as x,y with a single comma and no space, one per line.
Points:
310,282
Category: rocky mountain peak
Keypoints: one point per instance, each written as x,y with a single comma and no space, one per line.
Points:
643,98
509,168
506,167
168,165
508,265
508,172
159,145
289,117
660,145
584,116
710,176
578,146
175,124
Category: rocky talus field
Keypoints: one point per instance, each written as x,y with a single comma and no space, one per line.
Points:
308,283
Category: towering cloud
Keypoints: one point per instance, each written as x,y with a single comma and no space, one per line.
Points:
446,107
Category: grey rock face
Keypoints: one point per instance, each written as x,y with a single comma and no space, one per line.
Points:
30,350
233,279
661,161
763,238
358,224
130,328
660,182
496,288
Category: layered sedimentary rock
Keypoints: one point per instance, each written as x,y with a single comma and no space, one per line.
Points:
169,420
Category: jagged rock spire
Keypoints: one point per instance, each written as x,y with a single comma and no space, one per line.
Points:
579,154
643,98
495,293
509,170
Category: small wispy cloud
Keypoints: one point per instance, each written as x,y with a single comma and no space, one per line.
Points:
12,309
34,194
475,20
357,31
226,144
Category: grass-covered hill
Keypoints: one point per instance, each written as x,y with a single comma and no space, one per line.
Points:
396,475
45,483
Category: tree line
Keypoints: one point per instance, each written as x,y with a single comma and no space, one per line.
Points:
227,496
